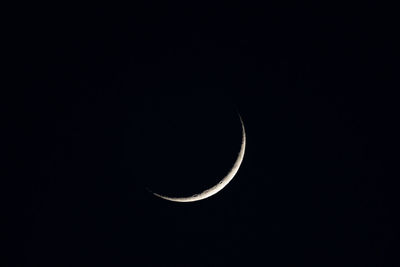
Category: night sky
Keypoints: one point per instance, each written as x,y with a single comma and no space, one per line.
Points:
108,101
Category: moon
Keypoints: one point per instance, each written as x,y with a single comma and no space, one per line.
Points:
218,187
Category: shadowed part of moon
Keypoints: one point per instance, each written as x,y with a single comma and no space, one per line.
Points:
218,187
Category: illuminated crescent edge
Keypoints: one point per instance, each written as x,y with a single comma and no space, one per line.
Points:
221,184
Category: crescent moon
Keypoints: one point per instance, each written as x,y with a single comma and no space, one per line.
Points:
218,187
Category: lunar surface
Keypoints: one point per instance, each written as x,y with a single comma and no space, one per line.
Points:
218,187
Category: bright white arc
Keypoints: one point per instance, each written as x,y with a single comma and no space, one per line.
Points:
218,187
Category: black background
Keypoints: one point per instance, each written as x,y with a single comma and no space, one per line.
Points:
95,96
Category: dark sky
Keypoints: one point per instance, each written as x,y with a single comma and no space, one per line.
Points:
107,101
